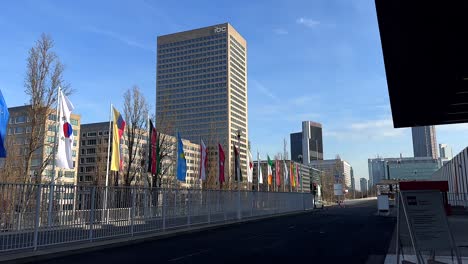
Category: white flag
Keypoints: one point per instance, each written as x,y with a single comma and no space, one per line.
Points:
203,160
286,173
249,167
64,157
259,169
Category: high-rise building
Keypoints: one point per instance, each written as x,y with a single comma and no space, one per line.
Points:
339,169
296,145
307,145
424,141
363,185
19,129
445,151
417,168
201,89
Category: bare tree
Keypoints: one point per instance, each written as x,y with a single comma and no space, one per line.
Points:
136,115
44,76
165,147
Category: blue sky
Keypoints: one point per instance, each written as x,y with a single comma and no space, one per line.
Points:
307,60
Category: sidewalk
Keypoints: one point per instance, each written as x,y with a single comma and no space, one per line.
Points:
458,226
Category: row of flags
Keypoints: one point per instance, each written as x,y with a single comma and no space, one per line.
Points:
64,157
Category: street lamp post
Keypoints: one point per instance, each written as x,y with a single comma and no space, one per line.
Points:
239,132
300,161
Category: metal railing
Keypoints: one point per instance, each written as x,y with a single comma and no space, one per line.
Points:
30,219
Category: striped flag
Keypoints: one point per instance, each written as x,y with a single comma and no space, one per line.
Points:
117,132
278,172
270,170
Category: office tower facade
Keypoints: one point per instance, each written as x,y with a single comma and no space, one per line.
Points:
312,142
93,159
363,185
445,151
413,168
19,129
201,88
424,141
307,144
339,169
295,140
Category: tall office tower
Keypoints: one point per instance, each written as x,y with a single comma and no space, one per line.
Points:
424,141
312,144
201,89
445,151
307,144
363,185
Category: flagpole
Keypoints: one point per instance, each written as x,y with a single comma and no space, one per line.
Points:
284,176
258,171
200,165
52,179
290,176
177,158
108,158
238,175
148,142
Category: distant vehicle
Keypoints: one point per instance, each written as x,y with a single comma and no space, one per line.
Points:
317,192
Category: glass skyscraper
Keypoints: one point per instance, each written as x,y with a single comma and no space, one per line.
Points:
424,141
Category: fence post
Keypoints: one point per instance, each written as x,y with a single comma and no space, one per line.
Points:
208,200
239,213
38,212
163,208
188,207
303,202
132,213
91,215
252,201
223,204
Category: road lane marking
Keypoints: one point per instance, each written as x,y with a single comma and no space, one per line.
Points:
190,255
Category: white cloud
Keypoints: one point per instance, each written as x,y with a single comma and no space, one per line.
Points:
280,31
385,123
265,90
119,37
452,127
368,130
307,22
303,100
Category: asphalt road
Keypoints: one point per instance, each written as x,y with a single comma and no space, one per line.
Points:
336,235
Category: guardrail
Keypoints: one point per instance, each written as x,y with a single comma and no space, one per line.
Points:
34,216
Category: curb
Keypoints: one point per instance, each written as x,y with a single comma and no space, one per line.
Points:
70,249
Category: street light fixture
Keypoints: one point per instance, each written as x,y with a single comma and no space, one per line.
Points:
239,132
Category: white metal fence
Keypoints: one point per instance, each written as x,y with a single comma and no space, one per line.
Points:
33,216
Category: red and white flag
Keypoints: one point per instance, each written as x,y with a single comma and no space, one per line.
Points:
249,166
221,158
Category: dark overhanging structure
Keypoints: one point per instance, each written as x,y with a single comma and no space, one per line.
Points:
425,52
